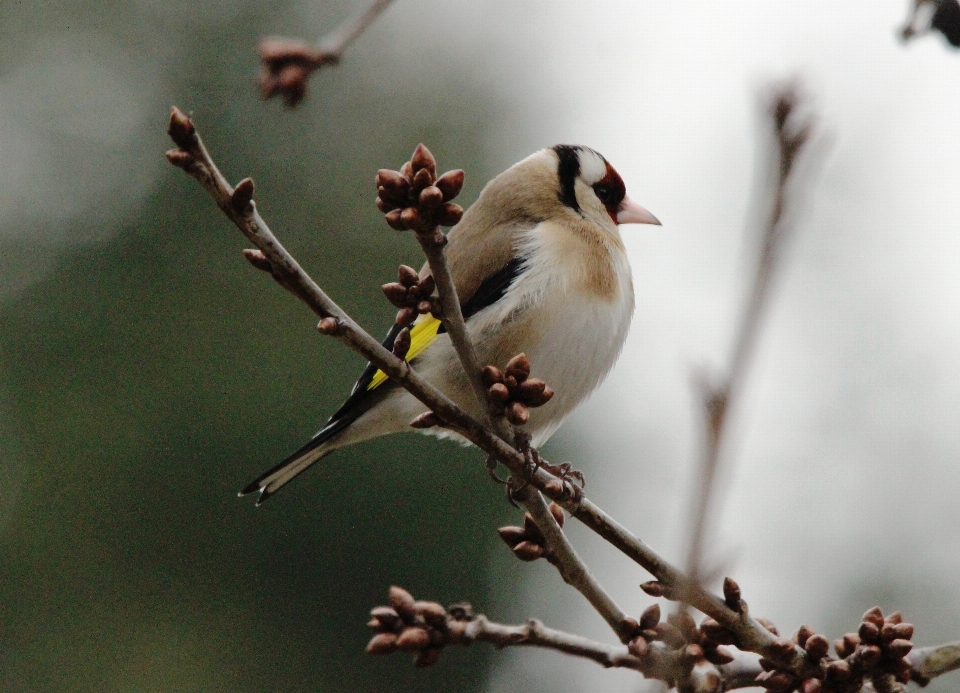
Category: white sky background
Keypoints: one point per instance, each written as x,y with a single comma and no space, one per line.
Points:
845,490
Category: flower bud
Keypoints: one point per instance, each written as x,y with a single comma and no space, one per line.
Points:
838,670
181,128
422,180
718,656
900,648
869,632
412,639
811,686
422,159
653,588
434,614
869,655
802,635
388,618
817,647
450,215
410,217
426,420
431,198
395,293
894,618
639,647
179,158
490,375
382,643
557,513
528,551
256,258
402,602
731,594
405,316
518,367
903,630
328,326
498,394
401,345
242,195
450,184
394,220
517,413
874,616
512,535
407,276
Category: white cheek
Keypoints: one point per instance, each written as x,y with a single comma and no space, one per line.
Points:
592,166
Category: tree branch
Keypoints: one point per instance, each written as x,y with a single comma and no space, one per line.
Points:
927,663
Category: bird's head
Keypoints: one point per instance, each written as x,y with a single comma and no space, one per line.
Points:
591,187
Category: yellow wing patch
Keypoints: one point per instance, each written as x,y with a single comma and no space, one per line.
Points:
422,335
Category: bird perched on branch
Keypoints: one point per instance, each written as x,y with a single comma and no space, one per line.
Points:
540,268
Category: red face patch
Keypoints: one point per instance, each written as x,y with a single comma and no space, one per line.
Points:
611,191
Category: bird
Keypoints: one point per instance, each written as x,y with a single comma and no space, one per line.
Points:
540,268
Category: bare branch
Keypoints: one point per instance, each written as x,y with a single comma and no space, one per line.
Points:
927,663
288,64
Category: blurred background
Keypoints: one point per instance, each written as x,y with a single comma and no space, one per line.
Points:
147,373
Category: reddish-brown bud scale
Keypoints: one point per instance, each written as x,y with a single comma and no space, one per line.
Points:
639,647
498,394
811,686
385,206
850,641
553,488
557,513
407,276
393,182
394,220
406,316
693,651
869,655
718,656
869,633
490,375
421,181
181,129
450,214
242,195
802,635
528,551
410,217
532,530
653,588
685,624
426,420
427,658
731,594
630,626
256,258
841,648
817,647
874,616
328,326
401,345
387,618
450,184
431,198
179,158
900,648
402,602
412,639
531,388
407,171
779,681
670,635
423,159
382,643
894,618
838,670
433,613
424,307
518,367
517,413
903,630
396,294
512,535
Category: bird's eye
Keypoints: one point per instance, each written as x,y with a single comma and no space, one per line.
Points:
604,192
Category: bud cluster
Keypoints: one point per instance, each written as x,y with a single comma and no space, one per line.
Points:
287,66
513,392
410,295
681,645
422,628
877,650
413,198
528,542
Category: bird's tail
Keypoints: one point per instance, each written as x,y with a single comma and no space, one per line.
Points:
315,449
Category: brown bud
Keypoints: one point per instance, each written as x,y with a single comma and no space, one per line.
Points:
850,641
512,535
179,158
434,614
393,183
450,184
407,276
903,630
716,633
421,180
242,195
653,588
811,686
532,530
257,259
874,616
817,647
412,639
450,215
328,326
782,647
181,129
528,551
530,388
292,83
838,670
693,651
517,413
869,655
423,159
518,367
900,648
685,624
650,634
498,394
402,602
841,648
553,488
639,647
388,618
385,206
394,220
407,171
410,217
541,399
802,635
650,617
778,681
869,632
768,624
426,420
431,198
670,635
718,656
904,676
731,594
894,618
427,657
491,375
557,513
405,316
401,345
396,293
382,643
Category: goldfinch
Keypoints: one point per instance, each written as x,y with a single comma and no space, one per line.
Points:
539,267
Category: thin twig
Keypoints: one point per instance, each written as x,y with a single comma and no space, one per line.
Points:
288,64
719,400
927,663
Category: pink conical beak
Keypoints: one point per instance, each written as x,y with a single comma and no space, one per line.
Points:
632,213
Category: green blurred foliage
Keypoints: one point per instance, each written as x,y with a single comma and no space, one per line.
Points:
152,375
